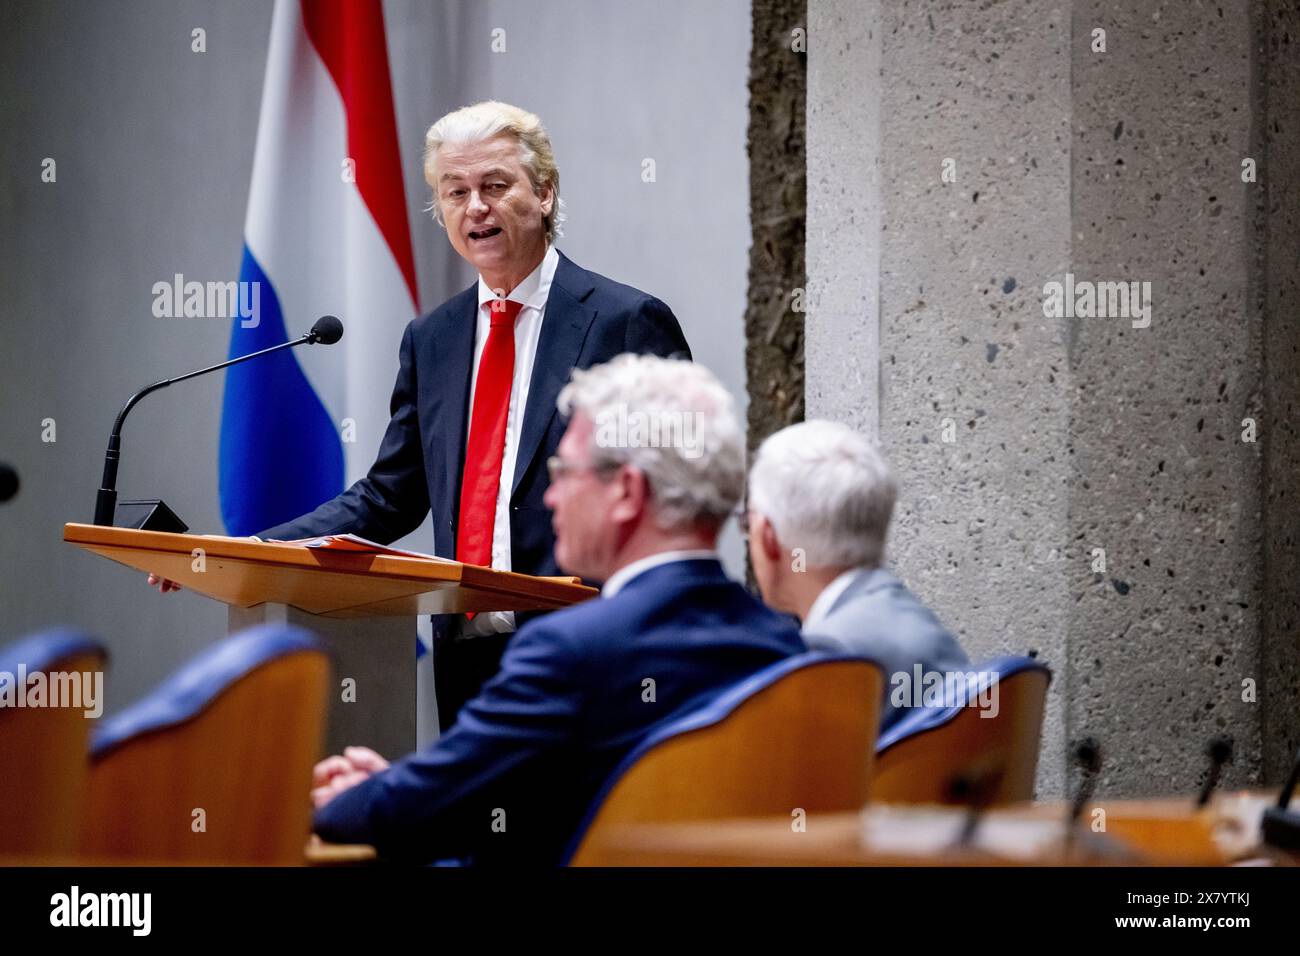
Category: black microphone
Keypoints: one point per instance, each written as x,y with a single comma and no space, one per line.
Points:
1087,756
1220,752
975,788
1284,798
1280,825
327,330
8,482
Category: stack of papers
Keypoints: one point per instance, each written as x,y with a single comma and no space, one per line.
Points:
359,545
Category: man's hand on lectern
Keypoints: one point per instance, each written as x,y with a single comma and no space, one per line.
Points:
335,774
163,585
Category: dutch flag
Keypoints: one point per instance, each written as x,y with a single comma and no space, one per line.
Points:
326,233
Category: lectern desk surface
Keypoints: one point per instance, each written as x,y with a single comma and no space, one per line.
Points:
244,573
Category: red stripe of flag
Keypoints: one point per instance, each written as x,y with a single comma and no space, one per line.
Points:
349,36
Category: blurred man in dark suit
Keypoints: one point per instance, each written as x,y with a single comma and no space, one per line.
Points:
648,470
473,411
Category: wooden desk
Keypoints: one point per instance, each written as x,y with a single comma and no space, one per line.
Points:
362,605
1139,833
319,853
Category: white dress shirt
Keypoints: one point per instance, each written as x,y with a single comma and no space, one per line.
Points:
619,579
532,292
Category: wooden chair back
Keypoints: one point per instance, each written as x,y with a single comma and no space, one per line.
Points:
921,758
793,739
43,749
215,766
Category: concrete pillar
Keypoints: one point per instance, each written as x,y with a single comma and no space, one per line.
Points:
1075,485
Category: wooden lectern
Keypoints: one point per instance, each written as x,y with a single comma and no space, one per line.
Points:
363,606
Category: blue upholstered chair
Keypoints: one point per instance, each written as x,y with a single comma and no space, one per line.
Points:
43,749
215,764
795,736
979,743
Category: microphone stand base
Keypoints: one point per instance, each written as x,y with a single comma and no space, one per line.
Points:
148,514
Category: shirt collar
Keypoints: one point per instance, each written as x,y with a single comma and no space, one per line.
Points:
620,578
533,290
830,594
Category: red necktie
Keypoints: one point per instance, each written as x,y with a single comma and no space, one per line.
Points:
487,437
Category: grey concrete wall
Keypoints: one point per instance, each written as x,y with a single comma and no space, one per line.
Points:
154,150
910,329
1275,141
845,201
1160,642
1068,434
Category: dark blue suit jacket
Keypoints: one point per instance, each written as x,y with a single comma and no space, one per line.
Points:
589,320
569,702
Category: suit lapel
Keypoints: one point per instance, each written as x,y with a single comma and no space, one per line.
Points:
453,356
564,329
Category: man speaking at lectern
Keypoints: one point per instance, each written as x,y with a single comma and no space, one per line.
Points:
473,411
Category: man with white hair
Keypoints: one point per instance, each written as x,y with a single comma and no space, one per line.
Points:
473,411
647,472
820,501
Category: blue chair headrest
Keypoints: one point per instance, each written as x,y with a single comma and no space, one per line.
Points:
712,712
188,691
40,652
921,719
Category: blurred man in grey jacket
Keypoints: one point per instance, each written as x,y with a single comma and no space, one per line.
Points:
820,500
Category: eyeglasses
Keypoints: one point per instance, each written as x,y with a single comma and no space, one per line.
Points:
741,514
557,467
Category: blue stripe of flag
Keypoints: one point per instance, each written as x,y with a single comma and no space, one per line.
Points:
280,454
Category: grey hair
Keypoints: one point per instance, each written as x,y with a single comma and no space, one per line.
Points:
672,420
827,490
482,121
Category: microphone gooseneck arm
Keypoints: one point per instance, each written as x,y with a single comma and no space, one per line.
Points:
1284,798
106,499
